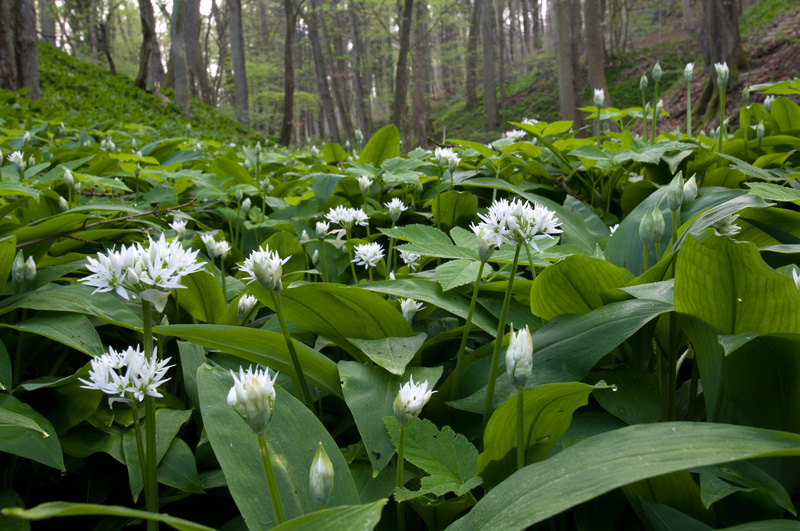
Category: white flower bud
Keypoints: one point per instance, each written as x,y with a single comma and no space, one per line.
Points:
760,131
768,101
690,189
519,357
304,237
675,192
643,82
722,73
365,183
62,204
659,225
410,307
253,397
657,72
18,269
238,194
322,229
408,404
647,228
247,205
320,478
687,72
246,304
315,258
599,97
30,270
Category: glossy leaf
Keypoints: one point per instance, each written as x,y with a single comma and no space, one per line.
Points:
72,329
456,273
391,353
361,517
384,144
8,250
26,433
203,297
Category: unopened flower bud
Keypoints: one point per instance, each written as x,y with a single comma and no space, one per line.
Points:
18,269
687,72
768,101
246,205
675,192
322,229
647,228
519,357
315,258
657,72
408,404
722,74
245,306
238,195
320,478
760,131
643,82
359,136
304,237
62,204
68,178
659,225
690,189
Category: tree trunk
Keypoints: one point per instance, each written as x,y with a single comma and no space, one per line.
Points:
221,24
241,102
526,27
337,80
575,25
105,45
594,48
198,75
418,100
47,21
489,92
8,54
288,73
25,46
399,107
566,79
720,36
178,55
361,112
148,35
472,56
322,77
537,26
688,22
501,48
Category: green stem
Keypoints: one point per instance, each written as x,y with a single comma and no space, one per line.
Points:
689,110
530,262
655,118
151,463
276,298
16,374
390,258
674,237
672,358
324,263
645,257
401,522
139,444
465,335
350,254
644,117
597,128
222,278
693,389
438,201
721,116
498,345
745,127
369,272
520,436
274,494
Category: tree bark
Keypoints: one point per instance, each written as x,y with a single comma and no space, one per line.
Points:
594,48
47,21
241,99
147,18
399,107
537,26
322,77
418,100
566,75
501,48
178,55
221,25
337,80
288,73
198,75
470,85
489,92
26,46
720,36
361,111
105,46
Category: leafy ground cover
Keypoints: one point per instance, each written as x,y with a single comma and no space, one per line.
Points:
547,330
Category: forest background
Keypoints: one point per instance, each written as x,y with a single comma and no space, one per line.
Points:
309,70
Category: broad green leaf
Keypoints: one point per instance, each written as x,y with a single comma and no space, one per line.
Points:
547,413
574,285
72,329
9,499
677,489
292,437
636,399
8,249
49,226
5,368
418,234
723,288
192,357
369,393
288,246
602,463
483,149
457,273
33,439
224,168
384,144
458,209
720,481
448,458
178,468
46,511
203,297
262,347
431,292
560,347
338,312
77,298
665,518
168,423
774,192
362,517
391,353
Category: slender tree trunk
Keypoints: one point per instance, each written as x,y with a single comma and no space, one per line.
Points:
221,24
489,92
198,74
575,25
566,79
501,48
241,100
178,55
8,54
418,100
322,77
537,26
361,111
47,21
148,36
337,80
688,22
594,48
399,108
26,46
288,73
472,56
106,47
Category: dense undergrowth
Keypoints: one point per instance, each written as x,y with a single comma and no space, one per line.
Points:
657,278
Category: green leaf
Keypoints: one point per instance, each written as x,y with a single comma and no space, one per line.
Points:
457,273
225,168
384,144
9,499
418,234
774,192
636,400
370,393
33,438
292,437
338,312
720,481
45,511
361,517
458,209
560,353
483,149
665,518
5,367
448,457
604,462
723,288
71,329
391,353
178,468
574,285
547,413
77,298
262,347
8,249
203,297
288,246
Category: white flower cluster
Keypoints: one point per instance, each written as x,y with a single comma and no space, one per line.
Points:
410,259
137,270
368,254
517,222
129,375
410,400
396,207
18,159
446,158
515,134
179,226
253,397
266,267
347,217
410,307
364,183
215,248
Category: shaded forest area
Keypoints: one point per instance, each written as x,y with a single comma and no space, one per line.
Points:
305,70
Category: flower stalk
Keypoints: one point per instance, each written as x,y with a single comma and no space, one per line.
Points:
300,379
465,335
274,494
150,464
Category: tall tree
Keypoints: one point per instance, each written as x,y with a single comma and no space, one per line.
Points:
566,75
594,47
418,99
358,87
501,48
148,41
720,36
180,67
194,59
19,53
489,92
399,107
338,73
47,21
288,73
312,22
471,81
241,99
